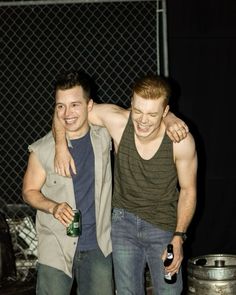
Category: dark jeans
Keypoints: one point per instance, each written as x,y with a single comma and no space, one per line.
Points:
135,243
92,271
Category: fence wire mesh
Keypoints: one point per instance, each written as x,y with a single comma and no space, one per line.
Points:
115,42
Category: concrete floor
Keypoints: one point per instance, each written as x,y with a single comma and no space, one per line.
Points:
17,288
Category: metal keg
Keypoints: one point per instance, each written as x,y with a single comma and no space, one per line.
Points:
212,274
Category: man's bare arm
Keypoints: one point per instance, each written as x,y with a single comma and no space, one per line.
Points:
63,161
111,116
34,179
114,118
186,163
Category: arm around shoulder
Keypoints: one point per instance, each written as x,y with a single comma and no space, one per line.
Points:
176,128
111,116
108,115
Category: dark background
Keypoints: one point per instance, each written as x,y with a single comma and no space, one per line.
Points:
202,60
118,47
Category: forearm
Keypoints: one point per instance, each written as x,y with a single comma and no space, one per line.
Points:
38,201
60,211
176,129
60,138
186,209
185,212
59,132
170,118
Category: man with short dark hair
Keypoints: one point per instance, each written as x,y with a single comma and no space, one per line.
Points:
61,257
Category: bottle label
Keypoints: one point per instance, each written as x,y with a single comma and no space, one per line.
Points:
168,276
170,256
75,228
76,224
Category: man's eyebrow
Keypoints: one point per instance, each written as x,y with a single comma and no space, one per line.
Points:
152,113
76,101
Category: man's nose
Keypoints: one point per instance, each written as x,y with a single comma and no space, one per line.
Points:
67,111
143,118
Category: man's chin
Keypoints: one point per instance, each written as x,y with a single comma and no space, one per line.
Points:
70,129
141,134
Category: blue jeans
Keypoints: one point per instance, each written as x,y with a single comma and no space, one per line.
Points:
136,242
92,272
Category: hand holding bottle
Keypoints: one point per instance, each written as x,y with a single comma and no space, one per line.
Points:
169,278
174,267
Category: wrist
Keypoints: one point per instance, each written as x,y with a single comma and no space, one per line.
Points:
181,235
52,208
60,145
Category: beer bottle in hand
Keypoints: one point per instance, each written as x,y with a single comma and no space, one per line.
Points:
169,279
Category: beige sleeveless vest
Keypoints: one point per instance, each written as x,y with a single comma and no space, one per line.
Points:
55,248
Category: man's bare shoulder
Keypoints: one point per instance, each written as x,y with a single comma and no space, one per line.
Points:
185,147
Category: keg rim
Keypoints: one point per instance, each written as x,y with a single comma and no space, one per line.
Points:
192,261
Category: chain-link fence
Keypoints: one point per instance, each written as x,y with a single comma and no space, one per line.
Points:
114,41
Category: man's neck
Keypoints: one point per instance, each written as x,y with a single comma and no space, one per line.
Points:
77,135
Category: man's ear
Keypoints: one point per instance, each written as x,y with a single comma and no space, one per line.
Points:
131,103
130,107
90,105
166,111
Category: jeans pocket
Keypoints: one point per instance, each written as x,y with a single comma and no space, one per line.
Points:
117,215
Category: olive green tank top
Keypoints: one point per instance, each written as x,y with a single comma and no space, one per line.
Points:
147,188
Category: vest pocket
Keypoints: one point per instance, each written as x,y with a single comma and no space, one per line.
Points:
56,187
53,179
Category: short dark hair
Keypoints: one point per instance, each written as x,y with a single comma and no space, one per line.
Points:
70,79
